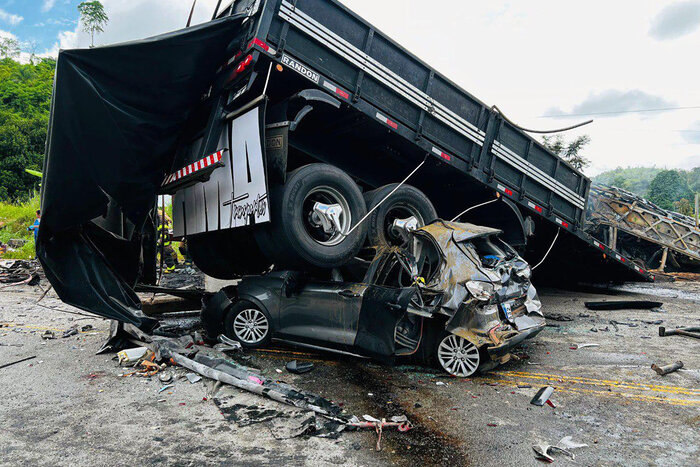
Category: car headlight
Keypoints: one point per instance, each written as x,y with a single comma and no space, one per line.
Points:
480,290
524,273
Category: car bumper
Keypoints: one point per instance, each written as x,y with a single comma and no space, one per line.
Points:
508,344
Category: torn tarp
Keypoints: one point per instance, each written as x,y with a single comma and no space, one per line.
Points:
117,113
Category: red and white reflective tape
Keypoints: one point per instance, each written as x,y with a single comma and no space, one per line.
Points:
386,121
562,223
194,167
535,207
620,258
262,45
505,190
599,245
442,154
639,270
332,87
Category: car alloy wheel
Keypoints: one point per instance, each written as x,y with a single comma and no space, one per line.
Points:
251,326
458,356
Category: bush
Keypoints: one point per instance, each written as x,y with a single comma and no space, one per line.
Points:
16,218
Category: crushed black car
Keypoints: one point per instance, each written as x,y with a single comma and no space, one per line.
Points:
454,295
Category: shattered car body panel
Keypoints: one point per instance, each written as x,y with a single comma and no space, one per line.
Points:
459,276
484,285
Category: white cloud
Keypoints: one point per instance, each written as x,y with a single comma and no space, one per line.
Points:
10,18
676,20
612,102
137,19
48,4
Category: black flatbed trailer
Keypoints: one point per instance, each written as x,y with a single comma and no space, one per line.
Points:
395,110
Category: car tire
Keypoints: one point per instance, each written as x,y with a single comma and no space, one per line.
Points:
456,355
407,201
249,324
295,238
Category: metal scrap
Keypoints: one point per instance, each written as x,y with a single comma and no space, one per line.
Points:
17,361
613,305
542,396
666,369
544,451
687,332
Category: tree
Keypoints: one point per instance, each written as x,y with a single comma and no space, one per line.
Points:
569,151
9,47
93,18
668,187
684,207
25,94
620,182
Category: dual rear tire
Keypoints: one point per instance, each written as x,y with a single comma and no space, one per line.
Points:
314,225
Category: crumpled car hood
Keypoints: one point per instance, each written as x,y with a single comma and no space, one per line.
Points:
480,322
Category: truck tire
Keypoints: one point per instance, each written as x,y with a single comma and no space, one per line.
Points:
296,237
408,201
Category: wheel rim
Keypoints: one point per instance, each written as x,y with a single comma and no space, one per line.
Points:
458,356
328,196
251,326
399,211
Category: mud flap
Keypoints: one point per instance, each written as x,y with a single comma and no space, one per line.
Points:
382,309
235,195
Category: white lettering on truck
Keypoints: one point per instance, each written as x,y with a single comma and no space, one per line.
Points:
301,69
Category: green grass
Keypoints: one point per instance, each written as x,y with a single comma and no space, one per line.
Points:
17,217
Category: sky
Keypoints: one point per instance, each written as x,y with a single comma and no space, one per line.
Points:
546,64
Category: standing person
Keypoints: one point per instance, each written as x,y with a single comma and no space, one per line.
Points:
165,242
35,227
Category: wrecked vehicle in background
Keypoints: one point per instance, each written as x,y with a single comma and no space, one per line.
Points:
456,296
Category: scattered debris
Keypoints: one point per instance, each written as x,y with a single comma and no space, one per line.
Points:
399,422
17,361
583,346
623,305
688,332
86,328
165,377
193,378
299,367
131,355
664,370
19,272
557,317
542,396
544,451
48,334
165,388
72,331
227,345
245,415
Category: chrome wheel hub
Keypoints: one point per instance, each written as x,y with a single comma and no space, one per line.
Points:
251,326
458,356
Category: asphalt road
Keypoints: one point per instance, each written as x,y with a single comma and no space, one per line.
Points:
69,406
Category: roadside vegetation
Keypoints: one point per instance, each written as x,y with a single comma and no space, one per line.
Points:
15,217
670,189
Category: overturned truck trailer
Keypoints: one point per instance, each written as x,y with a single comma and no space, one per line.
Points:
644,232
282,130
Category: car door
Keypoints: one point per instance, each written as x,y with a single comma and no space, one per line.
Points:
325,313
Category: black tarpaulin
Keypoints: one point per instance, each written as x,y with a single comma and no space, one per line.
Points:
116,115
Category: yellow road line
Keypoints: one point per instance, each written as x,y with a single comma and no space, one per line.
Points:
636,397
600,382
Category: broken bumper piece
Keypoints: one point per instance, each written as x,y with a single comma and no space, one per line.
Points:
508,344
